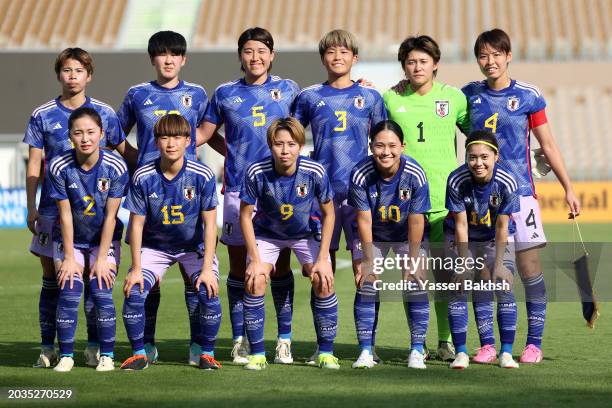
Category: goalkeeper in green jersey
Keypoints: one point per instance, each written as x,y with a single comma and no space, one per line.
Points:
429,112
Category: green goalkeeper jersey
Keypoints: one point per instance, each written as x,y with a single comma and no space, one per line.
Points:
429,122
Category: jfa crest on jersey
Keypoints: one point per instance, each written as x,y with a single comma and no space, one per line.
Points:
48,130
284,203
481,202
389,201
247,111
87,191
145,103
442,108
340,120
173,208
506,113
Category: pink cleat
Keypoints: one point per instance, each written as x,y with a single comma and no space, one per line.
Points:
486,354
531,354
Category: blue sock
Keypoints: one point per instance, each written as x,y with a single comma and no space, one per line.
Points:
483,312
47,307
326,319
106,317
68,314
254,318
210,320
535,296
139,352
134,313
458,320
506,317
150,307
416,305
235,295
364,311
71,355
91,316
282,292
193,311
109,354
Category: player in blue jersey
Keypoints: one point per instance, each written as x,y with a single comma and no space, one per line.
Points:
391,194
142,106
247,107
172,202
481,197
88,184
283,188
47,135
512,110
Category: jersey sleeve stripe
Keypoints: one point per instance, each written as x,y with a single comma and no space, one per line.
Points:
111,158
456,182
417,171
194,85
528,87
362,172
207,173
143,170
258,167
100,103
457,176
134,87
119,167
61,162
508,180
44,107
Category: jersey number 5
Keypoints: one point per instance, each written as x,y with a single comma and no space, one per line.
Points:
259,118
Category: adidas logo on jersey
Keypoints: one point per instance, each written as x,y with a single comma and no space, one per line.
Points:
73,185
477,101
321,103
57,126
153,195
237,100
535,235
147,102
401,109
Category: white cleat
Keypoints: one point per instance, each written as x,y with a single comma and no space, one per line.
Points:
461,361
314,359
65,364
283,352
416,360
92,356
194,355
46,359
365,360
106,364
240,351
506,361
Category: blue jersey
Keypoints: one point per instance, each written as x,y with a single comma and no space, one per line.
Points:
247,111
48,130
389,201
284,203
144,104
507,114
481,202
340,121
173,208
87,191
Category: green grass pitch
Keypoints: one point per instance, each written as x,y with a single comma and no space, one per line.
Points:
576,369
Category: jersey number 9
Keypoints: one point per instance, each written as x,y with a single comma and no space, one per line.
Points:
286,211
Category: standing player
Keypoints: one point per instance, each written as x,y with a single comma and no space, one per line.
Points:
340,113
284,189
511,110
247,107
429,113
47,134
391,194
88,184
142,106
481,198
169,200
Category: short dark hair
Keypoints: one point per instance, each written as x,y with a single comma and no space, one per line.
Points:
256,34
77,54
495,38
172,125
422,43
387,124
483,136
82,112
166,42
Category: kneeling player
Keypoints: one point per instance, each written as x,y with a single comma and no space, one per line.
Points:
169,199
481,196
390,192
284,187
88,184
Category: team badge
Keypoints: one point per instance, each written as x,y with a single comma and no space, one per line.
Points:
301,190
404,194
103,184
43,239
359,102
189,192
186,101
276,94
442,108
494,200
513,103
